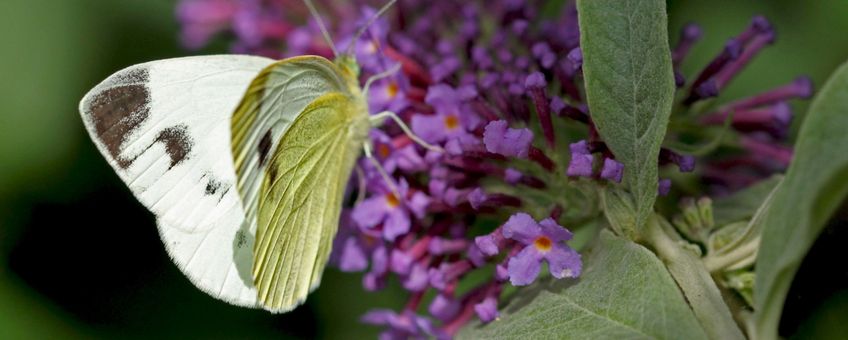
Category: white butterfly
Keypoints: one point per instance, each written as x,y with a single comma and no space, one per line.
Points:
243,160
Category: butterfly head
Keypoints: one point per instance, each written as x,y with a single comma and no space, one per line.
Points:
347,63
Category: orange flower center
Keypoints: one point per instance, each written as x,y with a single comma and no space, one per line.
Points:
383,150
451,122
543,243
392,200
392,89
370,240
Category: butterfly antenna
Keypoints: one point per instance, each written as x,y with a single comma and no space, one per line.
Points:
368,25
378,119
321,26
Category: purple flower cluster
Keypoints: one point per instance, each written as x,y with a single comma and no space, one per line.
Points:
477,98
496,85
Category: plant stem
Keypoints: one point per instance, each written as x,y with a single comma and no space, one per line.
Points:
694,280
715,263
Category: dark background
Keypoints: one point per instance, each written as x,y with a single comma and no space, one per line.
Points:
79,257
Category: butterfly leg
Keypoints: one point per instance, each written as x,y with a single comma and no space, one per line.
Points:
360,175
385,74
378,119
391,183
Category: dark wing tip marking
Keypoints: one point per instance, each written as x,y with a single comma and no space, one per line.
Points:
177,143
264,147
119,110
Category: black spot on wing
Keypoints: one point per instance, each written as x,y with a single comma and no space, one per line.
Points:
241,239
177,143
264,147
119,110
212,186
243,242
216,187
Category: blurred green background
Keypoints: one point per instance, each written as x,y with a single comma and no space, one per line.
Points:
67,270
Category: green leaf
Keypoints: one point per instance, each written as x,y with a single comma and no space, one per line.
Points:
743,204
629,85
814,186
624,292
620,212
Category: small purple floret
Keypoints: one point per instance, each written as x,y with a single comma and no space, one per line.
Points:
805,87
543,241
417,280
581,160
487,245
612,170
664,187
487,310
575,56
557,105
499,138
686,163
692,32
402,325
477,197
443,307
535,80
512,176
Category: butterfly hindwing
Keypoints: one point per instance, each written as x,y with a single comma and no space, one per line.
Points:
164,127
301,198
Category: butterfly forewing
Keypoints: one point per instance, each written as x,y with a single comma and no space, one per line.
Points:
301,198
164,127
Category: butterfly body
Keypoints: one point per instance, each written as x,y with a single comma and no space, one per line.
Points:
243,160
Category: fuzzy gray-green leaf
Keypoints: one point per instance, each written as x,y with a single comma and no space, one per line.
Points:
625,292
629,85
814,186
620,212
